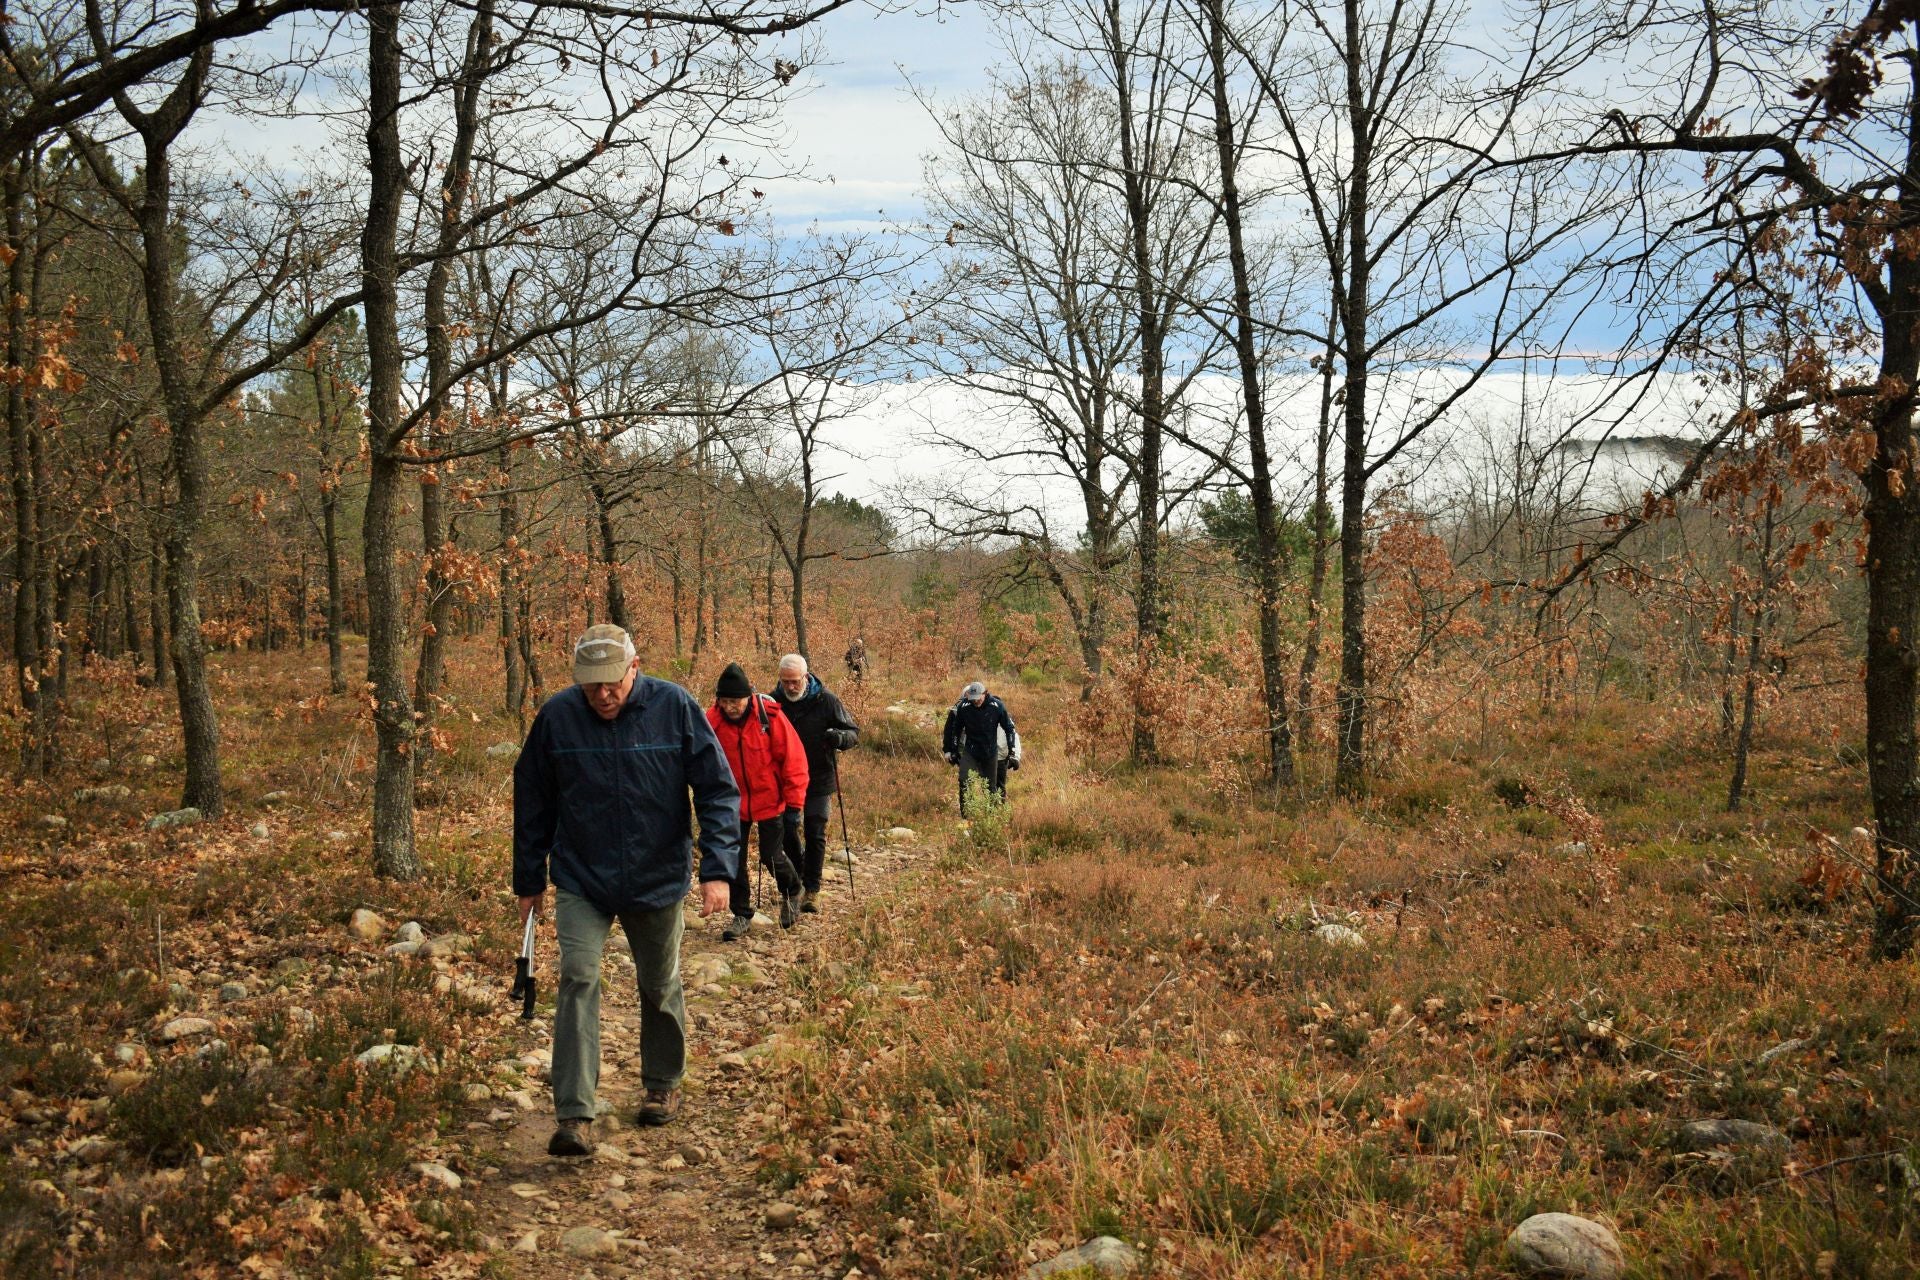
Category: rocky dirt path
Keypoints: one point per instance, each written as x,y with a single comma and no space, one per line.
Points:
681,1200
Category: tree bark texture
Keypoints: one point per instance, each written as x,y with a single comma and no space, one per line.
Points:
394,854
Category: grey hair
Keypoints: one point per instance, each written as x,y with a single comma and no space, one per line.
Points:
793,660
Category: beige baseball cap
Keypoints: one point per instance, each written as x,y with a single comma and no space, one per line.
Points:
602,655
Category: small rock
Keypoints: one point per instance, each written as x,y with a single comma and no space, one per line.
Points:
1104,1255
231,991
174,818
434,1171
502,1117
447,944
589,1242
804,1258
337,837
128,1054
619,1201
119,1082
503,751
52,821
703,969
691,1153
111,792
365,925
1339,935
442,985
405,949
782,1216
1573,849
179,992
1781,1050
259,831
477,1093
181,1028
1710,1135
94,1150
401,1057
411,931
147,762
1561,1244
732,1062
275,797
302,1018
899,835
528,1243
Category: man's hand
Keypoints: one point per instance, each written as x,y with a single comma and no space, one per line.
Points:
949,757
1013,762
713,897
530,904
792,819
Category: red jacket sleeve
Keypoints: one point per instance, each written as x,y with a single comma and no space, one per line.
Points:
790,757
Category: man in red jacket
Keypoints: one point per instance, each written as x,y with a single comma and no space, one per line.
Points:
770,768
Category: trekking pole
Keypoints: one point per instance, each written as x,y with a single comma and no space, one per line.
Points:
845,840
523,970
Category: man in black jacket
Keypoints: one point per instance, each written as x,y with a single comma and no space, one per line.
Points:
825,729
980,738
600,804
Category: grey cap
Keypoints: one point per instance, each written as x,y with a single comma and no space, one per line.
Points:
973,690
602,655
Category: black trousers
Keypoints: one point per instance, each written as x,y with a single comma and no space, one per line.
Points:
995,776
773,856
813,862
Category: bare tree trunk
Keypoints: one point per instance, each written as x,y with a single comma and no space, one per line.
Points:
510,655
609,550
1149,616
199,724
1307,701
1273,672
157,611
394,854
1893,601
26,533
1350,761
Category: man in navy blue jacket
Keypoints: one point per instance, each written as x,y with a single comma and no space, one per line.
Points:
980,738
600,805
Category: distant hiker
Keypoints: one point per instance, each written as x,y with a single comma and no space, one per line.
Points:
770,767
825,729
600,804
980,738
857,659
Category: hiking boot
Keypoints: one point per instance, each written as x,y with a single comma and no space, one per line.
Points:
571,1138
789,909
807,900
737,928
661,1106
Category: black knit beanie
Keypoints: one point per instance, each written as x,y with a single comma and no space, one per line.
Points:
733,683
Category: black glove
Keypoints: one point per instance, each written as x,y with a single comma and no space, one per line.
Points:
792,818
1013,762
842,739
949,757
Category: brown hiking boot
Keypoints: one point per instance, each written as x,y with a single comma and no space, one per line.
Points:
661,1106
572,1138
807,901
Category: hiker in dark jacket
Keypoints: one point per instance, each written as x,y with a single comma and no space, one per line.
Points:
825,729
600,806
770,767
980,738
